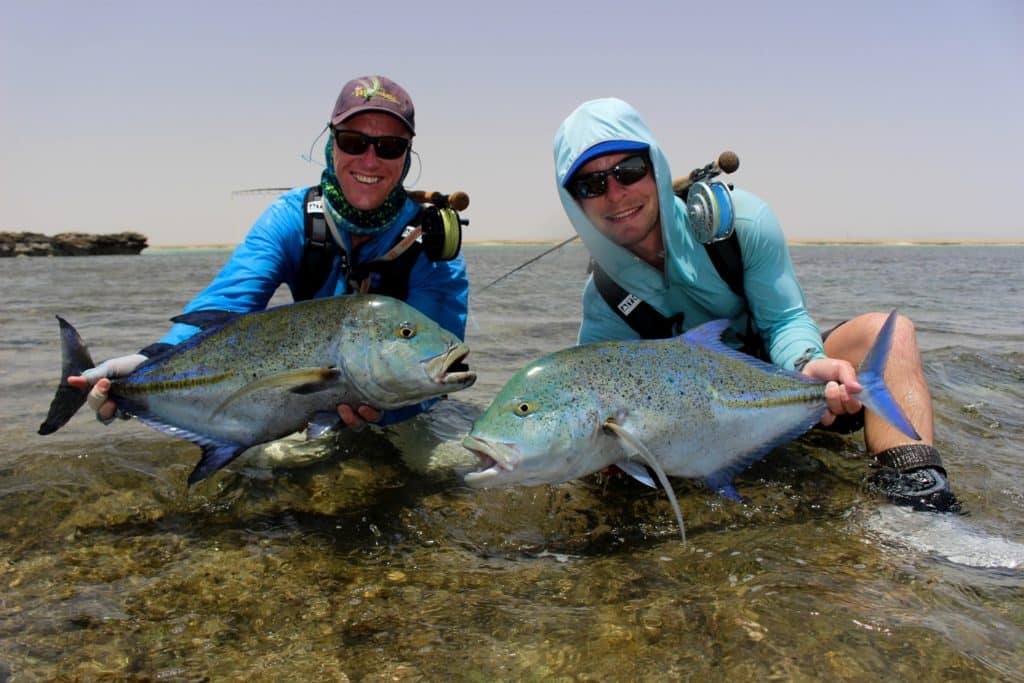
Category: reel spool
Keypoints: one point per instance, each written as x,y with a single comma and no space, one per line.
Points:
442,233
710,212
439,226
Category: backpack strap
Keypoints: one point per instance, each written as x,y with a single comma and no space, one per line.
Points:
725,255
637,313
727,258
648,322
388,276
319,250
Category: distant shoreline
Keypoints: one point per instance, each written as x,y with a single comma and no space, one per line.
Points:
913,243
476,243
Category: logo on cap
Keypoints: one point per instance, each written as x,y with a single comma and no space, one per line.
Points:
370,88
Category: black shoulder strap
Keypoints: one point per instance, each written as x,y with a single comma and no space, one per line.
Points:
319,250
637,313
727,258
725,255
389,277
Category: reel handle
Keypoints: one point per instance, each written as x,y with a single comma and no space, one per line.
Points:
456,200
727,162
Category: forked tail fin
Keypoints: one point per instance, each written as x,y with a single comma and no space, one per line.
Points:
74,359
870,374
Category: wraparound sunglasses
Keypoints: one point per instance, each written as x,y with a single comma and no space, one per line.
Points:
628,171
355,143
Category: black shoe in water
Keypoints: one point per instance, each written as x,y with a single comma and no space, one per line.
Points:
913,475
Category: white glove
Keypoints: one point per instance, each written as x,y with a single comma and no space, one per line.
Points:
115,367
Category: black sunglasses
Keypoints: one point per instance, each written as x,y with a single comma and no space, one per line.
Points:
626,172
355,143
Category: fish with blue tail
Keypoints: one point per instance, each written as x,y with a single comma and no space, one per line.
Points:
688,407
250,378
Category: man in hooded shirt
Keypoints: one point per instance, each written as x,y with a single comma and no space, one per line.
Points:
616,188
367,210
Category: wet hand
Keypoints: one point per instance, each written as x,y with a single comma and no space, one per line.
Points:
357,418
841,387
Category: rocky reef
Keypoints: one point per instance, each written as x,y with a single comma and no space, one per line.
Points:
71,244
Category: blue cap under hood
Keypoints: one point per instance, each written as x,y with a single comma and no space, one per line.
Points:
598,122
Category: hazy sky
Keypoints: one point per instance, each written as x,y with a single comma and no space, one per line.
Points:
875,120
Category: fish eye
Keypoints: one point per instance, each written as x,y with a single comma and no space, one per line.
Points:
524,408
406,330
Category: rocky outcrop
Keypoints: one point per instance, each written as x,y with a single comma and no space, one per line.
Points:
70,244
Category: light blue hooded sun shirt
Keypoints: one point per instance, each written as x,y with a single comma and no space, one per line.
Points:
689,284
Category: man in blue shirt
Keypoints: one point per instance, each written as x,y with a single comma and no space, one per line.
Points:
366,210
616,188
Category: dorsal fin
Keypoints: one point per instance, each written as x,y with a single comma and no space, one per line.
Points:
204,320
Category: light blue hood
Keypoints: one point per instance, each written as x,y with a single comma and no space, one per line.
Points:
605,120
690,284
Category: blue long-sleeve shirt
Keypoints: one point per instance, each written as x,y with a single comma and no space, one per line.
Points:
271,255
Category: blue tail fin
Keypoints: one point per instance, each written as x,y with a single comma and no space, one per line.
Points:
74,359
876,394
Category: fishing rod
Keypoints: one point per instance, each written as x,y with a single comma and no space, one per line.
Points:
458,201
260,190
535,258
701,207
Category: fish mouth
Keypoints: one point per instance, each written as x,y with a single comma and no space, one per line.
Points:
494,460
450,368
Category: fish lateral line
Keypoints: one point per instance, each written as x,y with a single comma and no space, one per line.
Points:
142,388
752,401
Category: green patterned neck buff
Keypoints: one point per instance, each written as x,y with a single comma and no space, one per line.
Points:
348,217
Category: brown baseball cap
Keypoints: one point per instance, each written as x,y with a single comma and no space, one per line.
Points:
374,93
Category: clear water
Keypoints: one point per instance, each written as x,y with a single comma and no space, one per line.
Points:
374,563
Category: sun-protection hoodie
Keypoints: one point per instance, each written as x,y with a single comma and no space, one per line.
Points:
689,284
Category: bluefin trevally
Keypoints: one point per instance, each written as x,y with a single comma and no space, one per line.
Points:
689,407
250,378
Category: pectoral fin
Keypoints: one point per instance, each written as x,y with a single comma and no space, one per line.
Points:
301,381
637,471
321,423
215,456
633,445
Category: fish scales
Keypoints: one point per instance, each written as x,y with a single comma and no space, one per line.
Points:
250,378
688,406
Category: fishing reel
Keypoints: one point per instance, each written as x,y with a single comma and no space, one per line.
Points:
709,208
709,205
439,223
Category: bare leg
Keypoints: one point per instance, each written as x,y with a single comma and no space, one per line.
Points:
908,472
903,374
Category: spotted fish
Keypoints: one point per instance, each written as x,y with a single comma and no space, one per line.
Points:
687,407
250,378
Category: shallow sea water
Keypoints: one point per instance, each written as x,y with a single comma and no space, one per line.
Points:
366,559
